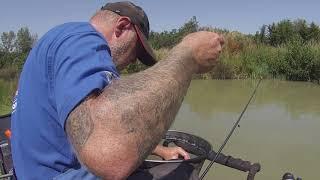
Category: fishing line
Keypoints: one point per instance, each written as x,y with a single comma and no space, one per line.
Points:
230,133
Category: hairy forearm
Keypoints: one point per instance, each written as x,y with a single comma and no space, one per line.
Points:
147,102
134,112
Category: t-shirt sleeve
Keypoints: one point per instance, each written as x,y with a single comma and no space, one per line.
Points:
82,64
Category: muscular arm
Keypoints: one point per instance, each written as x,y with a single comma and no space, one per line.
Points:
113,131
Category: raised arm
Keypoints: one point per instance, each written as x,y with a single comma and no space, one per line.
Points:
113,131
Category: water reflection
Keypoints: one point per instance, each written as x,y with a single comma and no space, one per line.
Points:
210,96
280,128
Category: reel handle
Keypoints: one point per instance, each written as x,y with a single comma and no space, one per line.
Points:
236,163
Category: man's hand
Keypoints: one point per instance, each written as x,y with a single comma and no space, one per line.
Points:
168,153
205,48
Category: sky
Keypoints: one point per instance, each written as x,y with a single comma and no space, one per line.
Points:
245,16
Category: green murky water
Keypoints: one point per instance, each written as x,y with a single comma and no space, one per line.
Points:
280,129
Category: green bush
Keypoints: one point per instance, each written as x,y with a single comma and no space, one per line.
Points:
223,70
299,61
315,70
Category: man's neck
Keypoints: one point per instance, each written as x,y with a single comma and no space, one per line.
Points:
106,32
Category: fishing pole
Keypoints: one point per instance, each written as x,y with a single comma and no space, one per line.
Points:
230,133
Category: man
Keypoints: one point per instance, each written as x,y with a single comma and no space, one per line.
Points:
75,118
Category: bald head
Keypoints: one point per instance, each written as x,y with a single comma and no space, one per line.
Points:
104,16
104,21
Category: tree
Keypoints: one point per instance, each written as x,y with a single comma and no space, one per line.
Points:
261,36
168,39
272,34
286,31
189,27
301,27
314,32
8,41
25,40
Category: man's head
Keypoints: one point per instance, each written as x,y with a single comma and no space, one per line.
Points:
126,28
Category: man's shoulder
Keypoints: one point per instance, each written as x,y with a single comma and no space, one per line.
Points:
68,33
75,27
63,31
71,28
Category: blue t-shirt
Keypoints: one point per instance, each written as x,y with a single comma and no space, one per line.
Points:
63,68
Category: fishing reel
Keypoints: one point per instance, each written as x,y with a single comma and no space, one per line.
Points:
199,150
289,176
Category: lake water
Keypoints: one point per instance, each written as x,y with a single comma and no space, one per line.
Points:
280,128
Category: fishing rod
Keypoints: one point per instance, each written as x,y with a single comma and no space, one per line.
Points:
230,133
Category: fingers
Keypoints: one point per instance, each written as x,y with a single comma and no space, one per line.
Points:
206,47
169,153
183,153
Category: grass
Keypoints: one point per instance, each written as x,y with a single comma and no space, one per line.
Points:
5,110
7,90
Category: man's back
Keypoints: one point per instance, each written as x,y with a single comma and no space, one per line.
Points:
67,64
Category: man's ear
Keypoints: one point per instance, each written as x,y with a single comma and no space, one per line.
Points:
122,24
